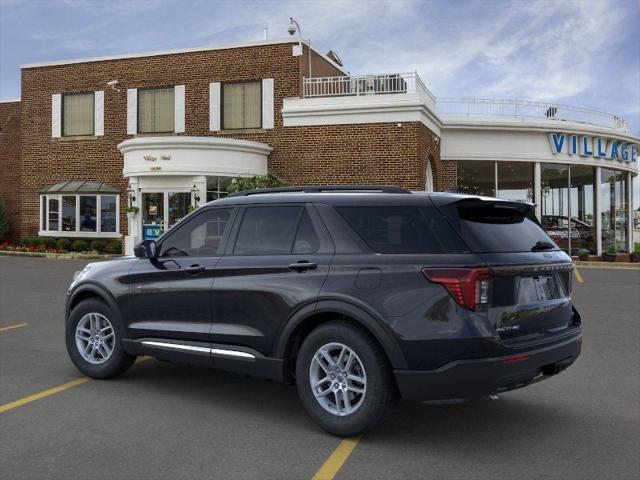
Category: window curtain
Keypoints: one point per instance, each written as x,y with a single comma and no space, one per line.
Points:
77,114
241,105
156,110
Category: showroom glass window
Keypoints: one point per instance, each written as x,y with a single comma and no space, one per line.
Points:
79,214
217,187
241,105
477,177
583,228
77,114
555,202
515,181
156,110
614,209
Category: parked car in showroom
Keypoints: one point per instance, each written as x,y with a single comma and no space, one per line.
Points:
357,295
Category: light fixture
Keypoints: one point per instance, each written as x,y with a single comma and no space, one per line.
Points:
195,192
132,197
294,27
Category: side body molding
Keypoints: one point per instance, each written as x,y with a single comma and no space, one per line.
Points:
374,325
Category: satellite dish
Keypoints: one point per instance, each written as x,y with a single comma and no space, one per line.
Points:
333,56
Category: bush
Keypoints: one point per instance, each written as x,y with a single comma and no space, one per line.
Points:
265,181
29,241
79,246
4,222
115,247
65,244
47,242
98,245
583,255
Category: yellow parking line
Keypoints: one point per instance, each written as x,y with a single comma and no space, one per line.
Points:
578,276
11,327
51,391
334,463
37,396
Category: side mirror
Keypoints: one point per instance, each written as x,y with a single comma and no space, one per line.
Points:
145,249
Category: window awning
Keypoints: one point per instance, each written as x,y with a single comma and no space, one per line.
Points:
81,186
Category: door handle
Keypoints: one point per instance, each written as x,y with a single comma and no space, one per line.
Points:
302,266
194,269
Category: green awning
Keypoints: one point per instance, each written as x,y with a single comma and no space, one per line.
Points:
81,186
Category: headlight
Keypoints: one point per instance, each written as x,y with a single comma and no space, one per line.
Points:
79,275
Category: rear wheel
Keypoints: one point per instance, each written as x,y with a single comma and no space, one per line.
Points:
344,379
94,341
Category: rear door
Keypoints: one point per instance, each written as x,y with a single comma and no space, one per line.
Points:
275,264
532,277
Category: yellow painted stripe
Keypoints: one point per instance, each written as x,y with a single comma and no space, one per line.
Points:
578,276
11,327
52,391
335,461
37,396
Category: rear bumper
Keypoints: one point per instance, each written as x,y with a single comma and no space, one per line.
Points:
485,376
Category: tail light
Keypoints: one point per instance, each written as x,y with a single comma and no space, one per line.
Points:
469,287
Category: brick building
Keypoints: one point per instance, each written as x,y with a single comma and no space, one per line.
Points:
166,131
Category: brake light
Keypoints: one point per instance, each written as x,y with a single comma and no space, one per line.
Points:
469,287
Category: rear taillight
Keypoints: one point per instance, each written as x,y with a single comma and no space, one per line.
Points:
470,287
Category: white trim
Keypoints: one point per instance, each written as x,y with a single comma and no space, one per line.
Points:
98,112
172,52
9,100
630,211
177,346
598,207
268,105
231,353
184,142
179,100
537,189
214,107
132,111
77,233
56,115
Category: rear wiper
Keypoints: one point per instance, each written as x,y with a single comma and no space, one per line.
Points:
542,246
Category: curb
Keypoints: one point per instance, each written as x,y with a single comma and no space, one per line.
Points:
62,256
619,265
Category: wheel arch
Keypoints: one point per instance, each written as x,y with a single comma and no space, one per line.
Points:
307,319
87,291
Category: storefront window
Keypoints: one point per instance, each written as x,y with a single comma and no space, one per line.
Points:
88,213
477,177
583,231
54,212
69,213
515,181
614,210
108,213
217,187
555,203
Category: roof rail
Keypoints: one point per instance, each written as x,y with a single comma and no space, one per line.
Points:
321,189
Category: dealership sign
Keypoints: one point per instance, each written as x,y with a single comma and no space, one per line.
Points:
597,147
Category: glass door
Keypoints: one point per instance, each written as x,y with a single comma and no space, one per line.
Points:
179,203
153,216
555,203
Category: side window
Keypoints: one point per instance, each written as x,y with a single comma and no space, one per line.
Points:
267,231
200,236
307,241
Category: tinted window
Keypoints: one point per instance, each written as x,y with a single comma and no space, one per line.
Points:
406,229
488,227
267,230
306,239
200,236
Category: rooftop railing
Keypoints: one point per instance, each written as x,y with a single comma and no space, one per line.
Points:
402,83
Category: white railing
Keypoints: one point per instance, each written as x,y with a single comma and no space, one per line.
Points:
524,108
356,85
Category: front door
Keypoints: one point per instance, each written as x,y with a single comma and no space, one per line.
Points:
161,211
171,295
277,264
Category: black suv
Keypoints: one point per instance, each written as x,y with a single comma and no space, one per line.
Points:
357,295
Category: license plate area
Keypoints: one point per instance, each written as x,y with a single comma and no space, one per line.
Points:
545,287
539,288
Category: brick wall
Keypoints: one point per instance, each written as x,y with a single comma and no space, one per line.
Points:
371,153
10,161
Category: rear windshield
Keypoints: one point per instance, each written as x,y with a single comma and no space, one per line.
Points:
404,229
488,227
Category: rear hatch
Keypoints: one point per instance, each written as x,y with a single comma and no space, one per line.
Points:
530,288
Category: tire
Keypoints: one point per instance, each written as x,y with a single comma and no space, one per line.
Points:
109,359
330,411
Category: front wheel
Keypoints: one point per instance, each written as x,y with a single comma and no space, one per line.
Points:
94,341
344,379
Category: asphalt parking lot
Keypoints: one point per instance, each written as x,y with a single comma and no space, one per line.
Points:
162,421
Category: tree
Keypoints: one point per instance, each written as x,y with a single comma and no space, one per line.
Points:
260,181
4,222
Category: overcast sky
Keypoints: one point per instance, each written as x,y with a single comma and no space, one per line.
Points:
580,52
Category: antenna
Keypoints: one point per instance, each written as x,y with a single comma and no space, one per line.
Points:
266,32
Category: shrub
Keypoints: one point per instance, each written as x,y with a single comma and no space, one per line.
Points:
29,241
47,242
261,181
97,245
65,244
4,222
79,246
583,255
115,247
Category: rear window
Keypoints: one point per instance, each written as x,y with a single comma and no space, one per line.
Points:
488,227
403,229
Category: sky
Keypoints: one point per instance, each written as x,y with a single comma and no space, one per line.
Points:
584,53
